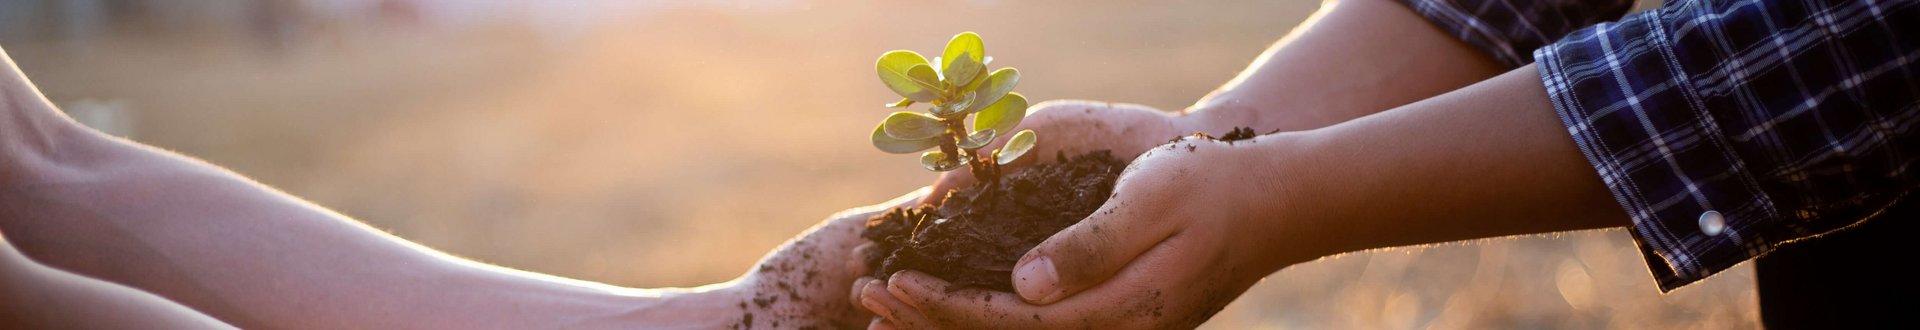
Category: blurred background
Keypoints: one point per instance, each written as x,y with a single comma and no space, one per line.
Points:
668,143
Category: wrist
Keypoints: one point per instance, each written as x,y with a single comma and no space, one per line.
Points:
1226,109
1219,113
1286,199
36,139
36,147
707,307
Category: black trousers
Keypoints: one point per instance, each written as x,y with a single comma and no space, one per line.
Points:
1867,276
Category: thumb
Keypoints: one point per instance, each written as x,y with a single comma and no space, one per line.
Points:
1089,252
948,182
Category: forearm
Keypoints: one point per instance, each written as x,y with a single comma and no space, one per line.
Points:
255,257
40,297
196,234
1487,160
1351,59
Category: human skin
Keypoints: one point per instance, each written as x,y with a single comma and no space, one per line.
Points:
40,297
1350,59
1189,229
102,232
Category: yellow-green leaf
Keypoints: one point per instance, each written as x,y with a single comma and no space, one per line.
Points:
938,161
978,139
1016,147
1003,115
962,71
897,71
955,108
899,146
995,86
912,126
924,76
967,43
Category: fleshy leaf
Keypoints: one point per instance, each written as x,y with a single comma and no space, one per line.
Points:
963,71
912,126
965,44
1016,147
1002,116
899,146
994,87
924,76
978,139
938,161
950,109
896,70
902,104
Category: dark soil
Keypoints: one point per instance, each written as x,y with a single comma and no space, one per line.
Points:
1237,134
976,235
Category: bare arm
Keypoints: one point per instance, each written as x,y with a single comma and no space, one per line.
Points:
194,233
1485,161
40,297
1191,228
1350,59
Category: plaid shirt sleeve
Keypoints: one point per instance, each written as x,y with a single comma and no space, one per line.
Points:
1509,30
1728,128
1723,128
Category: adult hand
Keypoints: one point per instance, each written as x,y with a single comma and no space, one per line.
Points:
805,281
1078,126
1190,228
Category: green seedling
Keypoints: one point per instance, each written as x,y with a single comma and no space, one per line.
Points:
958,86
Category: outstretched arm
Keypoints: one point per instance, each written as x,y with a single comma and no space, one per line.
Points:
40,297
1349,59
194,233
1189,229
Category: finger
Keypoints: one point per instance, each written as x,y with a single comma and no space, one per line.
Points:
1089,252
910,198
948,182
1164,287
859,286
964,308
880,324
857,262
896,312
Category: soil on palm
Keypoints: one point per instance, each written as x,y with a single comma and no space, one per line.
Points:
977,234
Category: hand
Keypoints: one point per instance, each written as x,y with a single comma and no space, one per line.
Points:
805,281
1189,230
1075,127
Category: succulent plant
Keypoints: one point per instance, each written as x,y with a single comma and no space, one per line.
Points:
958,87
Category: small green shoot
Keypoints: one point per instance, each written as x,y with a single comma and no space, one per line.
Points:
957,88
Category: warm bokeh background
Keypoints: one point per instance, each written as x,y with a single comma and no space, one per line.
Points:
661,143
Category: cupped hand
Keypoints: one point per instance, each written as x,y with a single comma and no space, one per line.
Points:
1075,127
805,281
1191,227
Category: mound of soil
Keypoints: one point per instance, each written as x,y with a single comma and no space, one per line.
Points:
976,235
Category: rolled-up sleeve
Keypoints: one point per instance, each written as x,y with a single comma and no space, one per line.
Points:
1509,30
1728,128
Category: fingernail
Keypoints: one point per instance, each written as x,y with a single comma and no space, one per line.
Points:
1037,281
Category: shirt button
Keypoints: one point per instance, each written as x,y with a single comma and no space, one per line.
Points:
1712,223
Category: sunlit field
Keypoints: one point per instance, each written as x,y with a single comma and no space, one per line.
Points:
654,144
